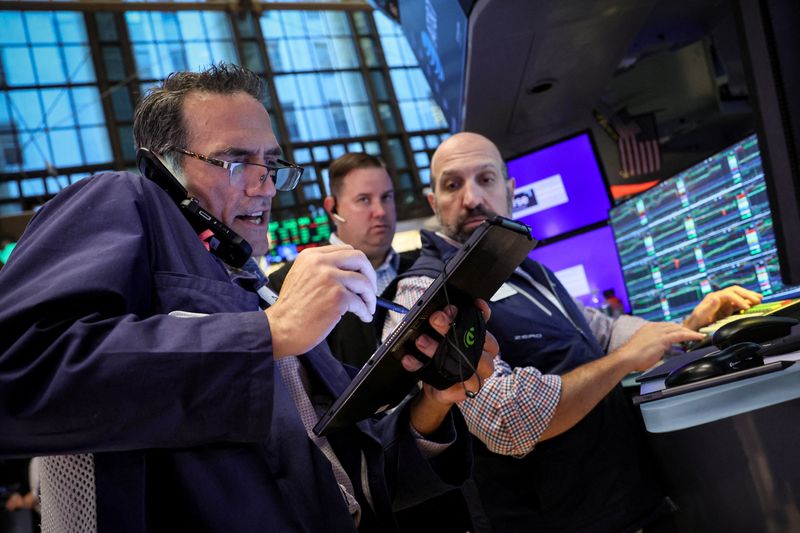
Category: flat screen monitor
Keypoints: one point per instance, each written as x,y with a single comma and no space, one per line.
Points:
703,229
291,232
559,188
587,265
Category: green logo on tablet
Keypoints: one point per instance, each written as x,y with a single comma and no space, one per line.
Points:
469,337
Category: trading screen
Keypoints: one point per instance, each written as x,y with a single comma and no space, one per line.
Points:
701,230
288,236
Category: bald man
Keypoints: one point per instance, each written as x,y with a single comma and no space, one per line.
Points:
592,474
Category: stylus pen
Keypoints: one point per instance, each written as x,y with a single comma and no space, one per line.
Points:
391,306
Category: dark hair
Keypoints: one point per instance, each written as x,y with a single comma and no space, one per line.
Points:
344,165
158,122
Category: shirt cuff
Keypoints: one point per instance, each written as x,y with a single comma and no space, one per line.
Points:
437,442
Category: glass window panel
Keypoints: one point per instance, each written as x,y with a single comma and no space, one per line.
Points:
53,185
106,27
71,27
5,114
48,64
301,156
252,57
66,148
139,28
361,22
425,176
33,151
199,55
355,147
314,23
344,52
300,54
354,88
386,115
417,143
147,65
96,145
13,28
411,119
10,208
191,23
217,25
433,141
397,153
310,174
293,23
309,90
79,64
422,159
58,111
224,51
33,187
26,109
41,27
337,150
379,85
126,142
112,60
337,23
321,153
402,88
287,91
9,189
174,57
17,66
369,51
88,107
405,182
318,124
312,192
165,26
372,148
10,153
363,122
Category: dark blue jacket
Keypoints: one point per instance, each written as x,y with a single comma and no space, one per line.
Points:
596,476
189,427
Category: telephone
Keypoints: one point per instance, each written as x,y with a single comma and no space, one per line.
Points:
225,243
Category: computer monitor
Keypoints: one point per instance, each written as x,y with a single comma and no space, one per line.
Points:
290,232
560,187
587,265
703,229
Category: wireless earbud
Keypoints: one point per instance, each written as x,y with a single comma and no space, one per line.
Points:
337,217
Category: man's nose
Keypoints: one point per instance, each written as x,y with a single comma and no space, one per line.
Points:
256,187
472,195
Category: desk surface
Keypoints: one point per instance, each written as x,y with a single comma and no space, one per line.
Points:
722,401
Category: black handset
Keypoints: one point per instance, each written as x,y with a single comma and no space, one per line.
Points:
225,243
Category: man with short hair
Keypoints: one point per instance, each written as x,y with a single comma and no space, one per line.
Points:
165,397
592,474
361,205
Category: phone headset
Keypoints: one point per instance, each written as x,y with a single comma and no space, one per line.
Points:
224,242
336,216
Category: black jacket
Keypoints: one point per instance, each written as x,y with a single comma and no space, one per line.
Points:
353,341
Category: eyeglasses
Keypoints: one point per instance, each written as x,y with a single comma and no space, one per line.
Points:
284,175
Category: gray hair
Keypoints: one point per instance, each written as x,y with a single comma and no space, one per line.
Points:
158,122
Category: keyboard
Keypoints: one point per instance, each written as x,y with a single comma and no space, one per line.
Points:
790,308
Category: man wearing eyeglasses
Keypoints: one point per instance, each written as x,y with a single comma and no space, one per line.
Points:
164,397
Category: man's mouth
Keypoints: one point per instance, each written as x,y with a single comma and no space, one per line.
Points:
255,218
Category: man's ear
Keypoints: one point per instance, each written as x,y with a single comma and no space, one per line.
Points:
432,201
329,203
511,184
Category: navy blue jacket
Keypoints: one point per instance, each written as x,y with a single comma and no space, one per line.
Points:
596,476
189,426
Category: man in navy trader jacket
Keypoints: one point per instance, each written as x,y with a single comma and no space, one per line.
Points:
592,473
147,371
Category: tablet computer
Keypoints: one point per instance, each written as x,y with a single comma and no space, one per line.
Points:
485,261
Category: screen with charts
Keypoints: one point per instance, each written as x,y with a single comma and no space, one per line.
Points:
587,266
559,188
290,233
701,230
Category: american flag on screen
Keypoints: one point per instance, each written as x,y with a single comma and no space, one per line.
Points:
639,151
